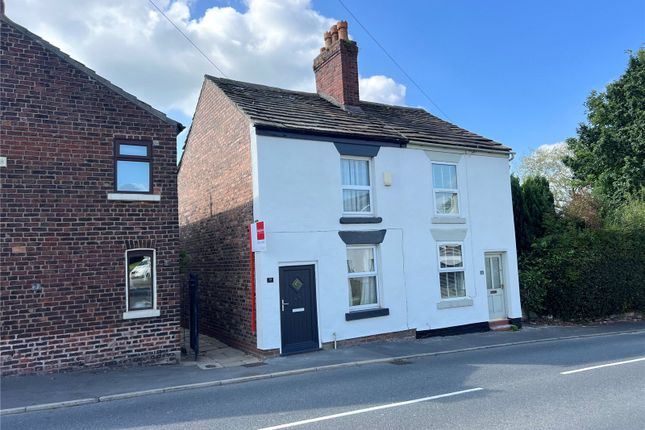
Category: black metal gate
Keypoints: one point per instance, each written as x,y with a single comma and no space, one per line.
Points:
193,294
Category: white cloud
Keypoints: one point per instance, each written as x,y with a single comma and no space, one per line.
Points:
272,42
381,89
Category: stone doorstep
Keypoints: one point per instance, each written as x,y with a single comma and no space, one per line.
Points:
500,325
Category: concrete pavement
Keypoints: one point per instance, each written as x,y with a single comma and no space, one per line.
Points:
26,393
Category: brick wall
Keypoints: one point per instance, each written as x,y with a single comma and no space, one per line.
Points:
215,208
58,228
336,71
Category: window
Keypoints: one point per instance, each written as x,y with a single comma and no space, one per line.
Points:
363,277
357,191
133,166
451,271
446,194
140,280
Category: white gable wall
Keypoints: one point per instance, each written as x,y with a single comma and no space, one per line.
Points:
297,192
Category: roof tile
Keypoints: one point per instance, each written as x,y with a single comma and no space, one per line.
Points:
279,109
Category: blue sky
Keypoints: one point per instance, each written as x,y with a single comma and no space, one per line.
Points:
515,71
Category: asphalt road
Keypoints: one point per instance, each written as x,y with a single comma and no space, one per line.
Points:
506,388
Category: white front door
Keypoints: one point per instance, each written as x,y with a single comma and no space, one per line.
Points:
495,287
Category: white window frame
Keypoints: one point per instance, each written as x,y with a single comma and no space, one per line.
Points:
451,269
144,313
357,187
436,190
375,274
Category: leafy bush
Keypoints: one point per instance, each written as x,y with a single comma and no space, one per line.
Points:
585,209
631,214
533,288
586,273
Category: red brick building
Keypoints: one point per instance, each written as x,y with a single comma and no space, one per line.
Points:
88,216
216,194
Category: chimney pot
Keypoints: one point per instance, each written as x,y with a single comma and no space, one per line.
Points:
342,30
334,33
327,39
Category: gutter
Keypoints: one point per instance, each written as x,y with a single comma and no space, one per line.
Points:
330,136
463,147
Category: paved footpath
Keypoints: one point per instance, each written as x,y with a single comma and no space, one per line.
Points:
20,394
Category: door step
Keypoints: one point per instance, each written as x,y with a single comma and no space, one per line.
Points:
500,325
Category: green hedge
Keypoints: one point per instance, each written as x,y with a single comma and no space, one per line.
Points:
585,274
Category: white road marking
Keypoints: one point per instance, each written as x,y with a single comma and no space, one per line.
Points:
569,372
374,408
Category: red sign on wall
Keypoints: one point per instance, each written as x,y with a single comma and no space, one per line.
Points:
260,230
258,237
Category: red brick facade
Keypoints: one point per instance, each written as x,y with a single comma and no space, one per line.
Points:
215,208
59,230
336,71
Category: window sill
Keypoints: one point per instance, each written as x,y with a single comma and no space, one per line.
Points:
147,313
370,313
454,303
361,220
134,197
448,220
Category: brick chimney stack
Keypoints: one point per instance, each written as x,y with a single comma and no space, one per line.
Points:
336,67
1,7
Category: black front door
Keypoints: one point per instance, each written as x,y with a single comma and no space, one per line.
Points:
298,309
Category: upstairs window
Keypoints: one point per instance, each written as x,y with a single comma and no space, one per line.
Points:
133,166
446,193
451,271
356,185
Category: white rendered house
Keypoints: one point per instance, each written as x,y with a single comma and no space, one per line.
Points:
380,220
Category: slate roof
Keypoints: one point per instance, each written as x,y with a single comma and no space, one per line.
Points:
277,109
91,73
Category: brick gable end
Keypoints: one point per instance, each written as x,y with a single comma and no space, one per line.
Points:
60,231
215,208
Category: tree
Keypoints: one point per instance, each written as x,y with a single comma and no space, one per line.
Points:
609,152
522,241
548,161
540,209
533,210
